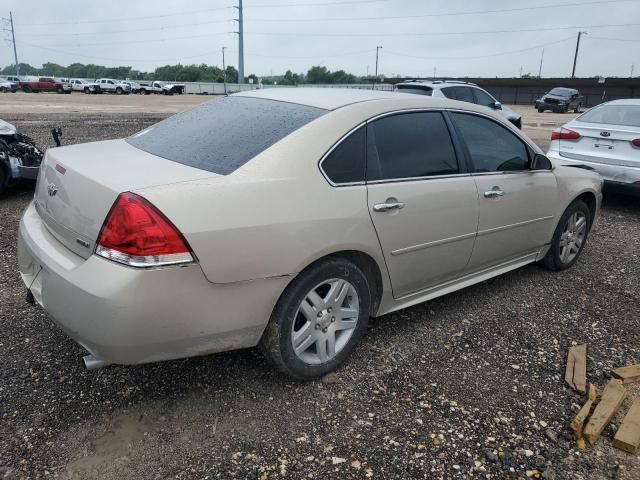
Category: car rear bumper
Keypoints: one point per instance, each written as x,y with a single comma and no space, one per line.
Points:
612,174
126,315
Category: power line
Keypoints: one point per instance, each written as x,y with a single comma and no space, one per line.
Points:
428,34
615,39
121,19
316,4
154,29
445,14
510,52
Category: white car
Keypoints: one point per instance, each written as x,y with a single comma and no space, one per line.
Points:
606,138
7,86
110,85
286,218
80,85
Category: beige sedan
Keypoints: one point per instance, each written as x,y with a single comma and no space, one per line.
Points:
286,218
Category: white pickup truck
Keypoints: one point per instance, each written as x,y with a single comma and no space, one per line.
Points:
110,85
161,87
79,85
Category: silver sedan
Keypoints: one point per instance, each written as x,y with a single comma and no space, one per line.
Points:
605,138
286,218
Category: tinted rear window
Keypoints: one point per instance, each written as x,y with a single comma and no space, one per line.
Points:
222,135
628,115
417,90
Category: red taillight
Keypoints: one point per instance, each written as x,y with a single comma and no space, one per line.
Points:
137,234
564,134
636,142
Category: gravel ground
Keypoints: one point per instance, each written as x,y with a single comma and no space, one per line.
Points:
466,386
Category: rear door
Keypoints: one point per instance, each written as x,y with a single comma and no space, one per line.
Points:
422,201
517,204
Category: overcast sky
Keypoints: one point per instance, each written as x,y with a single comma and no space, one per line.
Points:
417,36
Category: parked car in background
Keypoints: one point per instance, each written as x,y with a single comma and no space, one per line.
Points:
109,85
19,157
161,88
80,85
339,205
462,91
560,100
44,84
135,87
7,86
11,78
605,138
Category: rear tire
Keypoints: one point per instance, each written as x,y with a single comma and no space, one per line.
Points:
569,238
118,91
60,90
540,110
27,89
325,311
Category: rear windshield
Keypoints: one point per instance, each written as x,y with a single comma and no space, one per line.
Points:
222,135
561,92
628,115
417,90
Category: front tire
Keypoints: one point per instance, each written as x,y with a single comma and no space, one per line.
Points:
569,238
318,320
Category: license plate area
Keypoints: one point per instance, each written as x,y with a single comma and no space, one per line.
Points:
603,144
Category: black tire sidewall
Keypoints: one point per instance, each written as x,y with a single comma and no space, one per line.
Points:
554,251
277,342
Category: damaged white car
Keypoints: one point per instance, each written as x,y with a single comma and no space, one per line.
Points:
19,157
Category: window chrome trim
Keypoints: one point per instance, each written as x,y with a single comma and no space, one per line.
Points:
418,179
333,147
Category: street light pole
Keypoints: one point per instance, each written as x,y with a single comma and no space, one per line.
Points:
377,56
575,58
540,69
224,71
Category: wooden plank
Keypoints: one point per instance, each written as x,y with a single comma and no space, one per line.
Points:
628,374
628,435
577,424
612,398
576,373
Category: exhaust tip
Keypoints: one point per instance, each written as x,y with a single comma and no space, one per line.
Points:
92,363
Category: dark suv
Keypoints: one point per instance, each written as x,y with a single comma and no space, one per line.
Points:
560,100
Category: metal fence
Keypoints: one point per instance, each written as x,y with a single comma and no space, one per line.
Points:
200,88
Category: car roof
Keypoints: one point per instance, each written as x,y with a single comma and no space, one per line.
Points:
624,101
326,98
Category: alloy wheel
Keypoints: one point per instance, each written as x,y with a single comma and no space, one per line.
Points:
573,236
325,321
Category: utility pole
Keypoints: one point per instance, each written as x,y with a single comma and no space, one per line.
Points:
540,69
575,58
240,33
13,37
224,72
377,53
631,74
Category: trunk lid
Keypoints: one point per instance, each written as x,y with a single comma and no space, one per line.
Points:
602,143
78,185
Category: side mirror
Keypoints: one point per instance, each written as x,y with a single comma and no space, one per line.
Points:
496,106
540,162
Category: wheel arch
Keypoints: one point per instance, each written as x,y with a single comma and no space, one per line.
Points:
362,260
589,198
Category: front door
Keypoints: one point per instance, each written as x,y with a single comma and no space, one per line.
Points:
516,204
423,205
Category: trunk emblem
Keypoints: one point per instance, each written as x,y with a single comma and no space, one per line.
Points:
52,189
605,134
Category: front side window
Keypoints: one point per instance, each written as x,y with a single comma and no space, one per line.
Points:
409,145
483,98
345,163
491,146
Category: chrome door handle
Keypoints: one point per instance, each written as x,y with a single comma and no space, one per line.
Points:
387,206
494,192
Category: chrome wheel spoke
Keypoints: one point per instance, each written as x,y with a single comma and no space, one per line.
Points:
304,338
346,324
316,301
308,311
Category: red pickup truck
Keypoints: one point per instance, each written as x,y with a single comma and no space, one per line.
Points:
44,84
